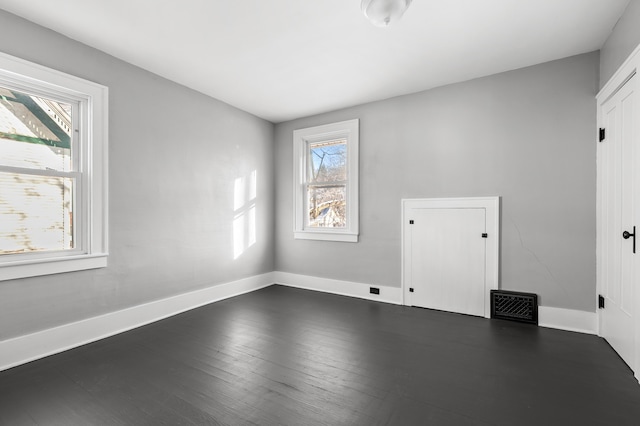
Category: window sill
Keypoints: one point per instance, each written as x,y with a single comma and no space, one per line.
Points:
57,265
326,236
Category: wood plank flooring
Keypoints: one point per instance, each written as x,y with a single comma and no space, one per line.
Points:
284,356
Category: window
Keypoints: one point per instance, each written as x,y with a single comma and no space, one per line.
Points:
326,182
53,171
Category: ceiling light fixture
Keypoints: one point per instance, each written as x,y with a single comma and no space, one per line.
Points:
382,12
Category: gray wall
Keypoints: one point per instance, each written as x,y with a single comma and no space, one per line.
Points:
525,135
174,158
622,41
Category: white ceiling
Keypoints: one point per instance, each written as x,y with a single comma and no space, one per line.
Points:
284,59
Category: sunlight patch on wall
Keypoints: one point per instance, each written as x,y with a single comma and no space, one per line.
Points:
244,207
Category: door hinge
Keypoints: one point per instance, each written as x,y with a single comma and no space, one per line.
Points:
485,235
600,301
411,222
602,134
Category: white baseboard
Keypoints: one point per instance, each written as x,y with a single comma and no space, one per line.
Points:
568,319
344,288
23,349
558,318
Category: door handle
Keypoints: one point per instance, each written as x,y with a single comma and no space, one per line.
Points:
626,235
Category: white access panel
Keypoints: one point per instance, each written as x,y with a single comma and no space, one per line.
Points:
450,253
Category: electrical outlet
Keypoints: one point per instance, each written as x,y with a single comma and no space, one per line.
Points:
374,290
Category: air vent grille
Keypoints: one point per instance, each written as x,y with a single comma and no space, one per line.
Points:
514,306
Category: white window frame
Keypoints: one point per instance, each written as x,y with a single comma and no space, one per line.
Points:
91,174
348,130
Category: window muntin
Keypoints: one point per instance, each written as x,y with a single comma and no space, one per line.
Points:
326,182
53,171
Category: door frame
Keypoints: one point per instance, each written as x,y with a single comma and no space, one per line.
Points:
492,221
628,69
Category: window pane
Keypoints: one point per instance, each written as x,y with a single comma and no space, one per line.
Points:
37,213
328,161
327,206
35,132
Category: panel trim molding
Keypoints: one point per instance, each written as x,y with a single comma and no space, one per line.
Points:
23,349
568,319
391,295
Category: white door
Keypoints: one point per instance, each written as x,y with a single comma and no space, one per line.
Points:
618,162
448,259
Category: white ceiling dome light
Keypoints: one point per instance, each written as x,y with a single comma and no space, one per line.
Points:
382,12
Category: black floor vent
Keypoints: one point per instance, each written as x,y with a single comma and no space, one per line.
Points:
514,306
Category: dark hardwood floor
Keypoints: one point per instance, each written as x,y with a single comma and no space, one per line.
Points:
284,356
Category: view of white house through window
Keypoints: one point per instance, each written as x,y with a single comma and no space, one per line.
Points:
326,182
326,185
37,173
